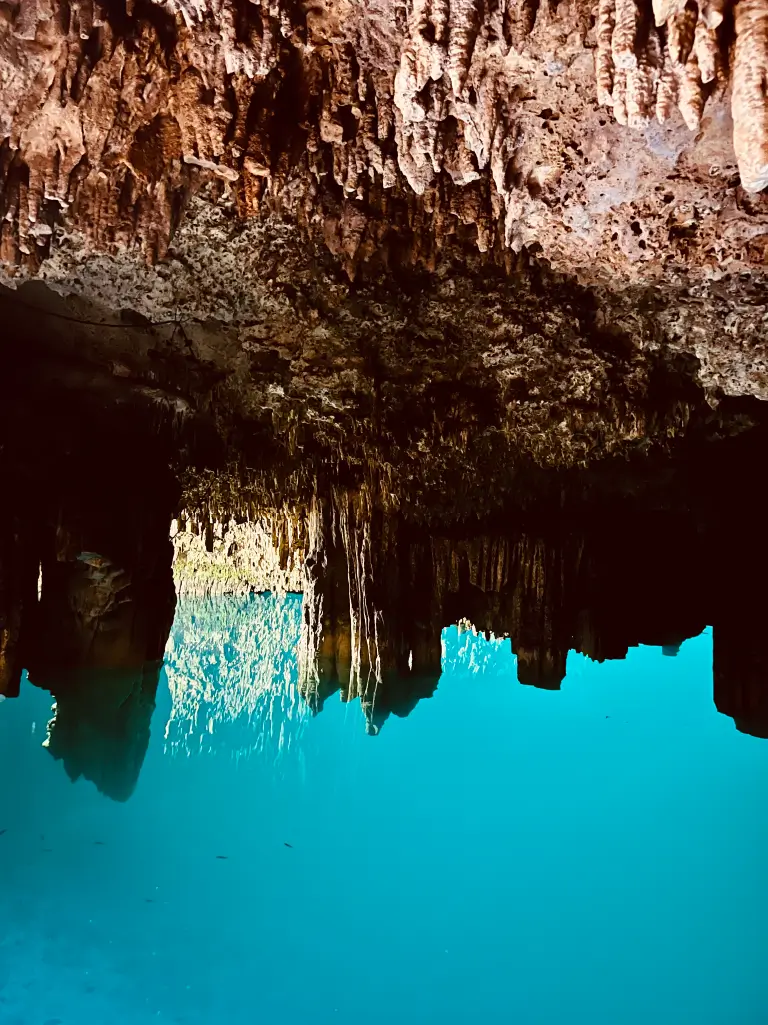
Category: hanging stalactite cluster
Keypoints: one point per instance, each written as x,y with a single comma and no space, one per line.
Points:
654,57
369,126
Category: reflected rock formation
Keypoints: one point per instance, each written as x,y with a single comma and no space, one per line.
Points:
95,639
17,582
118,503
740,657
233,661
86,584
586,565
369,612
571,564
100,725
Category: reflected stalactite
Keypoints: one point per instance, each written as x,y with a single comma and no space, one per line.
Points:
96,636
100,725
512,586
580,574
362,626
86,586
642,582
383,589
315,687
363,535
740,656
96,639
96,614
741,674
570,563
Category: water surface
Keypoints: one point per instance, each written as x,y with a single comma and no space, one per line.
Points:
503,854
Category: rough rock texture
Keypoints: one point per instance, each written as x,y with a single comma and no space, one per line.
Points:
438,388
308,214
264,554
654,56
388,127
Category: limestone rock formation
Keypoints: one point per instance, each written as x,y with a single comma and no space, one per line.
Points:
384,125
654,56
101,724
265,210
339,271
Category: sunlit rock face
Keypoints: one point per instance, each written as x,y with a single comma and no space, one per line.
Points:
261,554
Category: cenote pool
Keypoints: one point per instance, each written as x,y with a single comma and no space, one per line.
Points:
593,856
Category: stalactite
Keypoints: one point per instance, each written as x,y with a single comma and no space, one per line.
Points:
266,553
315,563
640,72
108,125
354,513
606,23
750,93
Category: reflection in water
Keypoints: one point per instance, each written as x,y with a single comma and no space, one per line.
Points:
592,856
593,562
100,725
585,848
233,674
592,576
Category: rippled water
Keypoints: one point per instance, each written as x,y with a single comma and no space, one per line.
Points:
503,854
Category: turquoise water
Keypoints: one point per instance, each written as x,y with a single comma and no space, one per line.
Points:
504,854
